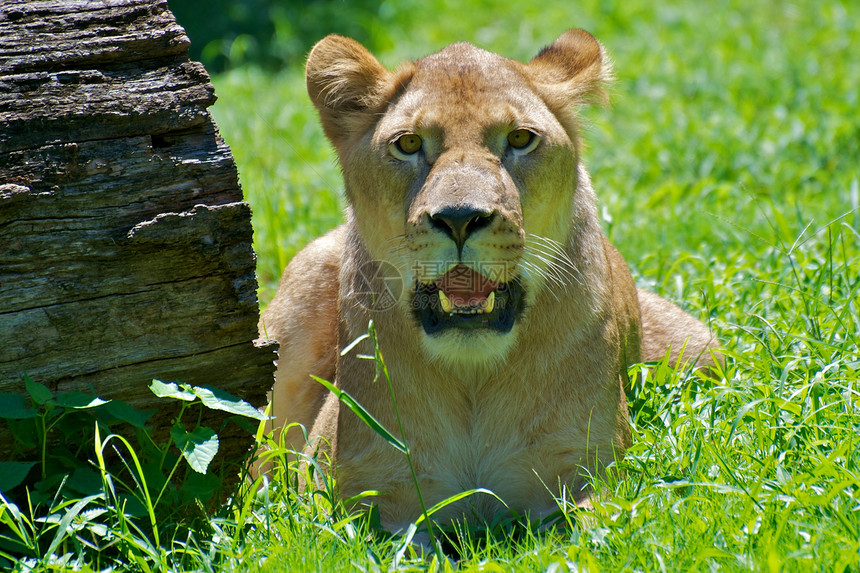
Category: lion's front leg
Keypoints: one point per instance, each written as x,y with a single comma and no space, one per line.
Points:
303,319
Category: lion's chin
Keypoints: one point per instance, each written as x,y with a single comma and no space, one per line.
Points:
479,349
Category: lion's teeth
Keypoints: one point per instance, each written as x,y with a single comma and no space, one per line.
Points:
447,305
486,306
489,303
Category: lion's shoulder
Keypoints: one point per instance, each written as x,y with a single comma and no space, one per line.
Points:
307,294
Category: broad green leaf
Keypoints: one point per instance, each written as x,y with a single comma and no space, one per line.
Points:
12,474
170,390
200,486
123,412
24,431
14,406
364,415
198,446
250,426
79,400
226,402
38,392
84,481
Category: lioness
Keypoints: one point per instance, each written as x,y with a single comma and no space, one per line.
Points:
506,319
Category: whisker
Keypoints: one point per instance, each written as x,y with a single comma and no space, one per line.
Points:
546,240
550,255
549,274
539,272
561,270
553,246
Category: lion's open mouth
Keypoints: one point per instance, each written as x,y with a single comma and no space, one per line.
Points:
463,298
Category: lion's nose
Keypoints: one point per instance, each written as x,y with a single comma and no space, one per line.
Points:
458,222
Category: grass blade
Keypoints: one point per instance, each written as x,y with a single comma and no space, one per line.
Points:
364,415
455,498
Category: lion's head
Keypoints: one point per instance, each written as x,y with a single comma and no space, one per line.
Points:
462,170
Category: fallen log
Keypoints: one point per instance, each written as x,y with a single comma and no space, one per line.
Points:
125,244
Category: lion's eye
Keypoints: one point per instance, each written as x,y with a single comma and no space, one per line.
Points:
520,138
408,143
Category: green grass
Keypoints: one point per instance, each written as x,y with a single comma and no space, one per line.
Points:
727,171
711,128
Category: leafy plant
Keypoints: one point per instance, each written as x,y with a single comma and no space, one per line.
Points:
38,417
129,494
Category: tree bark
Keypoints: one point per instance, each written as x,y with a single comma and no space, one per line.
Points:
125,245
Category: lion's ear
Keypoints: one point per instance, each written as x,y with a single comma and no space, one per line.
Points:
573,70
346,84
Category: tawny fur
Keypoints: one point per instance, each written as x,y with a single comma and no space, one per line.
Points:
524,414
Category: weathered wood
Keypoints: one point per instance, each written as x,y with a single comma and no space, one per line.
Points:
125,246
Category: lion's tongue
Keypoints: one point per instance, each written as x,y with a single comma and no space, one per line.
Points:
465,287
